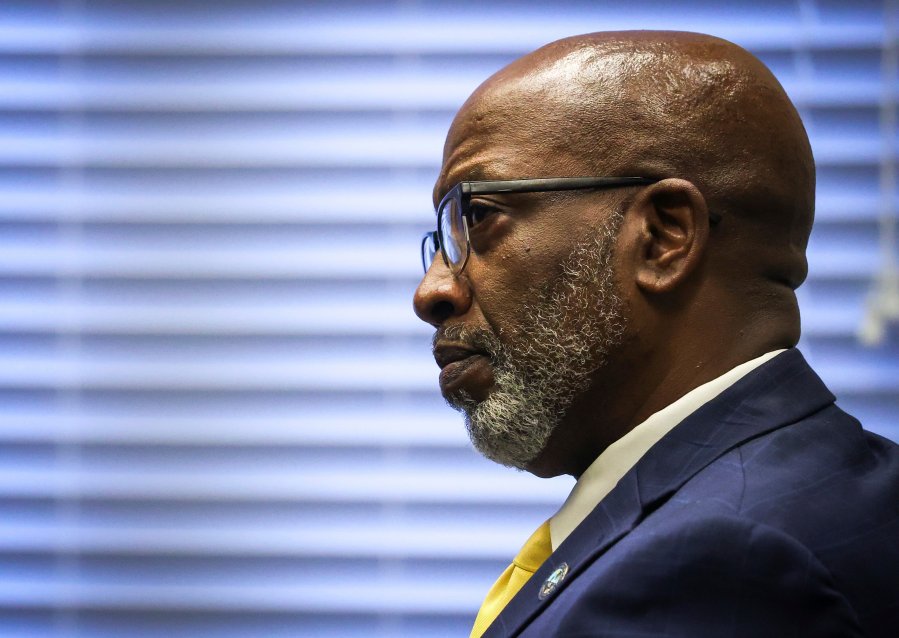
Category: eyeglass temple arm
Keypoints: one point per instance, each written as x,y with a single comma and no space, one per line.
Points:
552,184
563,183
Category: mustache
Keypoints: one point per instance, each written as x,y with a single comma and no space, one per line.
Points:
474,338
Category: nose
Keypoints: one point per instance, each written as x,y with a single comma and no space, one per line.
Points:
440,295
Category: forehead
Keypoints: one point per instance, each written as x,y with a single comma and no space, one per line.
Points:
507,132
483,145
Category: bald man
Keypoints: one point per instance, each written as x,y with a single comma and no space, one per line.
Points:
622,221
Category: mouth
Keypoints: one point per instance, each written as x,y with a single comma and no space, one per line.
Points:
463,368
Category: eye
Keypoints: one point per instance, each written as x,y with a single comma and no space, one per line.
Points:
479,213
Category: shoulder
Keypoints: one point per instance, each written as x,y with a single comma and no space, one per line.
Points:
720,575
832,488
795,532
823,480
810,511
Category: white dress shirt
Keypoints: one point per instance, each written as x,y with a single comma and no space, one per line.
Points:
604,473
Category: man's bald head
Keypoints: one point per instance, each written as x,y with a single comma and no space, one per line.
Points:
593,310
664,104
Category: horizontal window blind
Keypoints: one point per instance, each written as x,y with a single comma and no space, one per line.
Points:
219,414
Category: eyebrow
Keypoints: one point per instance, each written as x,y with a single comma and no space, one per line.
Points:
476,174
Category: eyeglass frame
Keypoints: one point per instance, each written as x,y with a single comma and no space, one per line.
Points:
461,193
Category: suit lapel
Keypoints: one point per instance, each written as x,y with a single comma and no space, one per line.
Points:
780,392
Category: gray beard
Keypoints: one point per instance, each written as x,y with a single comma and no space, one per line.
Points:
565,335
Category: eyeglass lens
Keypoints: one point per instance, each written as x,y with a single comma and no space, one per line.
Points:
453,233
428,250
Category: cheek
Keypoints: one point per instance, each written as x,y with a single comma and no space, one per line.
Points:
517,270
533,249
540,261
501,300
515,282
502,285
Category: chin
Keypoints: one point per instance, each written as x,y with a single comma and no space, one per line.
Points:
541,469
508,442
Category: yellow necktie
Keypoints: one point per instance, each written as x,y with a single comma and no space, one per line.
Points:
536,550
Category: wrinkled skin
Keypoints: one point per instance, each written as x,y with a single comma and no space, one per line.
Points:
707,119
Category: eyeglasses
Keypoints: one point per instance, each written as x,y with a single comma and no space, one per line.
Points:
453,214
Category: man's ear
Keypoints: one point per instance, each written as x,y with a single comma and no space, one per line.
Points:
672,236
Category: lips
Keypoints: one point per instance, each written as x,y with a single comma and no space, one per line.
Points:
463,368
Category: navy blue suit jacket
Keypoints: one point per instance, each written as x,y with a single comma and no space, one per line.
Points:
768,512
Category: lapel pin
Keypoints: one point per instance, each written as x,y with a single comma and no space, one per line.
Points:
552,583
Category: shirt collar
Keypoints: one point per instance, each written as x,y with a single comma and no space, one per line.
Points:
604,473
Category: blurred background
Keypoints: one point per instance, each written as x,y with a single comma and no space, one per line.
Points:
218,414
